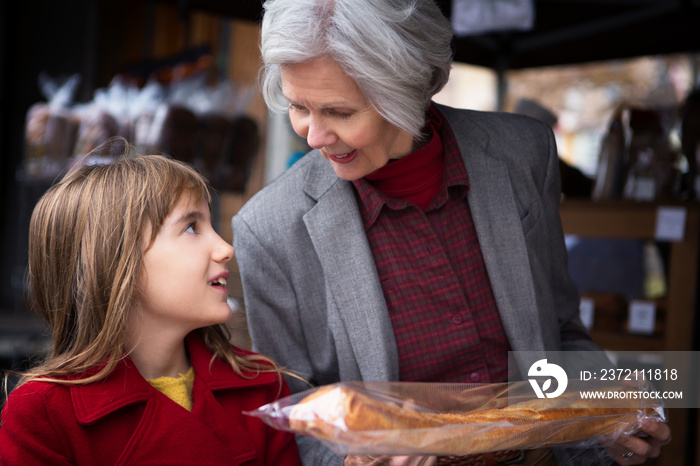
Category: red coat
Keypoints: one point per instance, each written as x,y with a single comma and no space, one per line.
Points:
124,420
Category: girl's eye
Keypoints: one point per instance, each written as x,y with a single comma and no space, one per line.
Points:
191,228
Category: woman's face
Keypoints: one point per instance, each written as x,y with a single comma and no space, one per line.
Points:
184,284
327,108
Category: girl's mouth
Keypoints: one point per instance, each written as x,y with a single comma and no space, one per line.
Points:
220,282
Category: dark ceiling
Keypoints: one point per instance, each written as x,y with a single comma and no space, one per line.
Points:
576,31
565,31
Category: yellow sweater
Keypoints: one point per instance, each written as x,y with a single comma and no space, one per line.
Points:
178,389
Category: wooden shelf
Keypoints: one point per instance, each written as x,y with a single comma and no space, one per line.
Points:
637,220
615,341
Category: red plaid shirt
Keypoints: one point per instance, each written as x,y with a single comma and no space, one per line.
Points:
431,269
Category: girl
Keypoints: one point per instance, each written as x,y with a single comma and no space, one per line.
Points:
130,276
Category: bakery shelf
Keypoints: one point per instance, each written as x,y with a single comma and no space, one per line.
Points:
615,341
638,220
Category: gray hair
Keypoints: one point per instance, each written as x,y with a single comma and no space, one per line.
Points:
398,52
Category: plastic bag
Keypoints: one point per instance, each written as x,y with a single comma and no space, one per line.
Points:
51,127
405,418
106,123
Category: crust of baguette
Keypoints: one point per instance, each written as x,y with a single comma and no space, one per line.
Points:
353,418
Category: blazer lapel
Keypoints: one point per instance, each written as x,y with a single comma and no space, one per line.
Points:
358,306
500,233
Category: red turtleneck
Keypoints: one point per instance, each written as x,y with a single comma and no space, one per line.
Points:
417,177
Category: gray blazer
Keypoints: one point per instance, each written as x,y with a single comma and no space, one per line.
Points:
311,289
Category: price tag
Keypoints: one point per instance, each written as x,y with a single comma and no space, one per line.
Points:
645,189
670,223
586,311
642,317
475,16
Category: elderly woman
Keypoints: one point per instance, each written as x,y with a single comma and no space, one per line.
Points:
416,242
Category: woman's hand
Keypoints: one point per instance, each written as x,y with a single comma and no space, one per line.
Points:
630,449
355,460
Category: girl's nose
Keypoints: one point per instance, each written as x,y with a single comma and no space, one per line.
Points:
224,251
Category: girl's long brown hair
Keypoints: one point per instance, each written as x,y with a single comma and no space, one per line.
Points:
86,249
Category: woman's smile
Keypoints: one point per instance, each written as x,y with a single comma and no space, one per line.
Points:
340,158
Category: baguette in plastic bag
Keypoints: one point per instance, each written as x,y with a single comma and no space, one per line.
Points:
406,418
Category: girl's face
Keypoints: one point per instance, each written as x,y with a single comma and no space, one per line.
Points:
184,284
327,108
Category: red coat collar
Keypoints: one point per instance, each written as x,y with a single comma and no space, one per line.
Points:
126,386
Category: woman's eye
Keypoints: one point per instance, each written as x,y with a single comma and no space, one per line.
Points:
339,113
